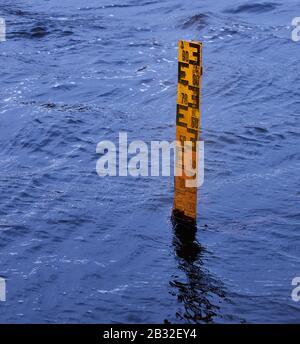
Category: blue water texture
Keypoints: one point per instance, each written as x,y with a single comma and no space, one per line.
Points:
75,247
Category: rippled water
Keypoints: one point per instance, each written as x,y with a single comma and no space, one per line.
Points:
78,248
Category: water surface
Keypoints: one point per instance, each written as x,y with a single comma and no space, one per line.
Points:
78,248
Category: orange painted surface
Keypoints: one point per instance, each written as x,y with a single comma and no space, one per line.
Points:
187,124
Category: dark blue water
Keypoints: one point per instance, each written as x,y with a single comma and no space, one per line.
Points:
75,247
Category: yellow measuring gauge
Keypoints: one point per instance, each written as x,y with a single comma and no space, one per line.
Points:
187,127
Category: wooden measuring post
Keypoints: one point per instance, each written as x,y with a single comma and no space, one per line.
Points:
187,127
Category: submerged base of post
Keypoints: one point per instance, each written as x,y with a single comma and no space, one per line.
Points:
178,217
